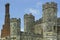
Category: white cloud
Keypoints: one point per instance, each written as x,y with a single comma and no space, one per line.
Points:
38,3
32,10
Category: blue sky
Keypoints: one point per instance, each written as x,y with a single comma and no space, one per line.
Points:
20,7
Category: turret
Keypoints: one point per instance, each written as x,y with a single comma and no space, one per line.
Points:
15,28
29,22
50,21
50,12
50,15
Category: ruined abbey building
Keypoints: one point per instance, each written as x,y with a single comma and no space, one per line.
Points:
46,28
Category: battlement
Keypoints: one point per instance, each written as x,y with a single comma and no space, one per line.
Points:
28,15
50,5
38,21
15,20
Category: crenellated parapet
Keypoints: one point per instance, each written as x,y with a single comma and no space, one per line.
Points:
49,5
29,16
15,20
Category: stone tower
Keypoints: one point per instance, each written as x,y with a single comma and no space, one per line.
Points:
50,21
15,28
6,27
28,23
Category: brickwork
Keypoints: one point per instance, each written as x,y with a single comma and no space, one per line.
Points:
6,27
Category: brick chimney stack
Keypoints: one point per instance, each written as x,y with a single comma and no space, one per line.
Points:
6,27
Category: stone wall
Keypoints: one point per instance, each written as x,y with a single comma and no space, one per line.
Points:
15,28
29,20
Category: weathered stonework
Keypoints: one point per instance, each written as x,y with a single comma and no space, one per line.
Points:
50,19
38,29
46,28
28,22
15,29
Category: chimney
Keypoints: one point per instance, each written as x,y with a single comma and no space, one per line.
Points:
7,8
